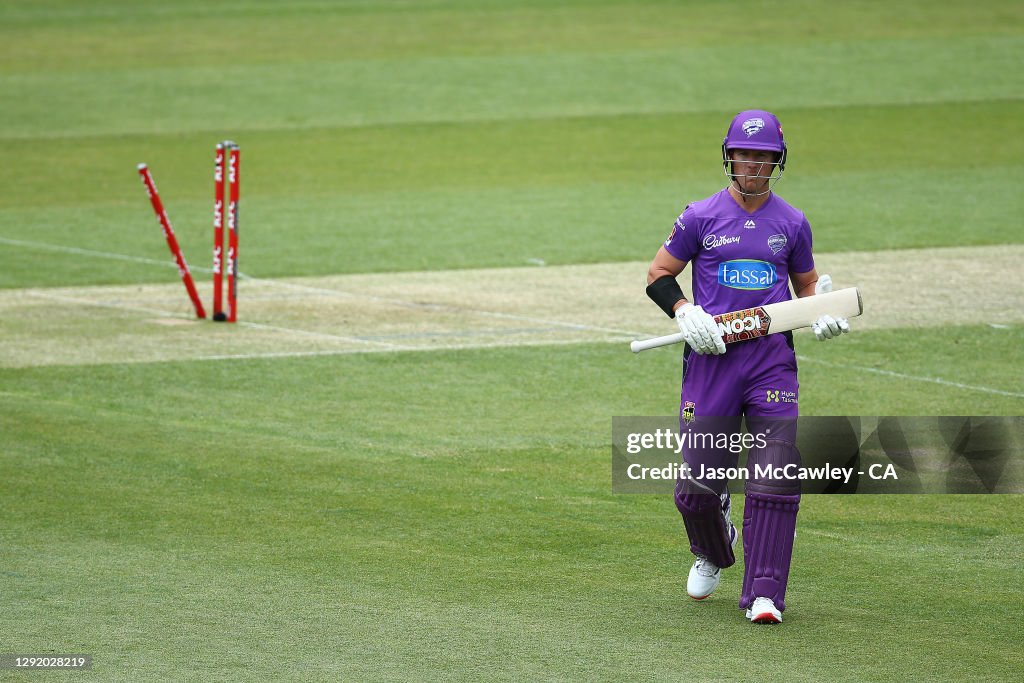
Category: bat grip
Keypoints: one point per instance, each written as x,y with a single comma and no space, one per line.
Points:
646,344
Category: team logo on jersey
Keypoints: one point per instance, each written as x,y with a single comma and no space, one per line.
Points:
750,225
747,274
752,126
670,236
777,243
688,412
714,241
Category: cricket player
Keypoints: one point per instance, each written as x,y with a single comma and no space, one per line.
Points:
744,246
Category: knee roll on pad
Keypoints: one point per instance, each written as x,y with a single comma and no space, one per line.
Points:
705,522
775,454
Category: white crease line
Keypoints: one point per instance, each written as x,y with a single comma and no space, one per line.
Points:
98,254
916,378
42,294
273,328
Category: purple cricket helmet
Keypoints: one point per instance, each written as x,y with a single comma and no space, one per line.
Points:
754,129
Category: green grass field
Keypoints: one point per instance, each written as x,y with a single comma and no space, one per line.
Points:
396,466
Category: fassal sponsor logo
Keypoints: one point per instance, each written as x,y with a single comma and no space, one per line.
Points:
747,274
714,241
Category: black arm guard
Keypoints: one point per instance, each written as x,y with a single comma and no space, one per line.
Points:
666,293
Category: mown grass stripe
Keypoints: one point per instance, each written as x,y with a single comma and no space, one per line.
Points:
374,92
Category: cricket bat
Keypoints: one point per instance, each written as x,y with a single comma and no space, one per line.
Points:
783,316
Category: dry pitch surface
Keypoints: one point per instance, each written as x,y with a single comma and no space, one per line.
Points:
465,309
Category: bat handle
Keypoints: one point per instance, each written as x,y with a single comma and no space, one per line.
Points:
646,344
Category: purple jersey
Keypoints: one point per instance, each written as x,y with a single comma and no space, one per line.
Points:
738,259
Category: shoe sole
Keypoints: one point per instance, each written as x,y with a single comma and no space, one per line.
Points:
706,595
766,618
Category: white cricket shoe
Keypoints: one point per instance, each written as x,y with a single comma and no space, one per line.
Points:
763,611
705,575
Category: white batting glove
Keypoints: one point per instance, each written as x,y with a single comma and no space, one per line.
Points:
827,327
700,330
